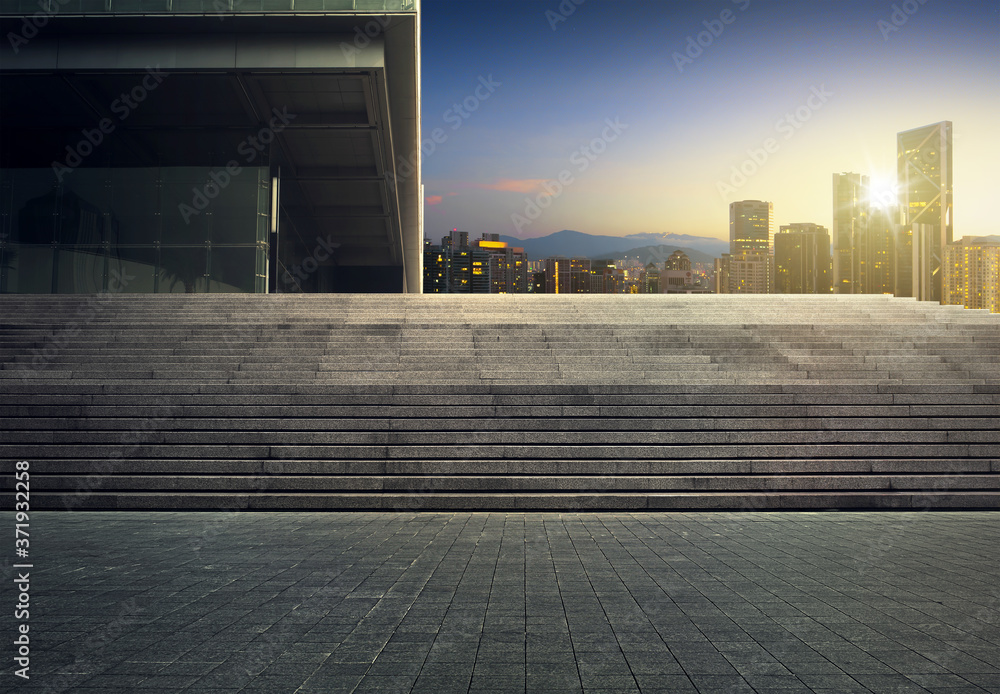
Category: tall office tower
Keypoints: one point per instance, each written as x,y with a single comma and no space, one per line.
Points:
972,274
802,262
508,266
751,227
850,232
457,267
436,268
557,275
924,171
155,143
751,245
880,275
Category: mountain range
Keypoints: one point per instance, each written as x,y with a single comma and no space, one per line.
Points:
578,244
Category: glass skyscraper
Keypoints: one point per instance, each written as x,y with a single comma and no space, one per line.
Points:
924,170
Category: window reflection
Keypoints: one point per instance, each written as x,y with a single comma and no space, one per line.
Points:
159,229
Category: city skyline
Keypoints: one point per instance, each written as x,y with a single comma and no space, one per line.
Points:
638,128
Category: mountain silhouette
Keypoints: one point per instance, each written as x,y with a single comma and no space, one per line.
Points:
571,243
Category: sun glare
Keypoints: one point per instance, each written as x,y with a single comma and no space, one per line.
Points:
882,191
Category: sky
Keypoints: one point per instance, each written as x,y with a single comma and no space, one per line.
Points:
650,116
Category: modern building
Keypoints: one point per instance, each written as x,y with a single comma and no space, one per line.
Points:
558,275
924,171
210,146
751,247
802,260
883,226
851,205
606,277
751,274
457,266
751,227
972,273
649,279
508,265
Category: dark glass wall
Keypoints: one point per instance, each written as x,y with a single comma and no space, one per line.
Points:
155,229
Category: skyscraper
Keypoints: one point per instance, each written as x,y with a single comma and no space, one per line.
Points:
751,227
751,247
924,170
850,232
802,263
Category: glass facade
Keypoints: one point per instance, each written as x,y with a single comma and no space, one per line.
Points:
30,7
152,229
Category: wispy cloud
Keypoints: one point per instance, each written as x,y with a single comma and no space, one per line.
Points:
432,200
513,185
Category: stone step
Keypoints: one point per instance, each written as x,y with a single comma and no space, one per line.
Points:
343,401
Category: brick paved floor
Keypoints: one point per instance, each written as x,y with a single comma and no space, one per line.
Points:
511,602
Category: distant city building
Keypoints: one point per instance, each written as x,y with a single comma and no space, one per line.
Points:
455,267
507,266
802,261
880,275
924,171
579,282
850,240
649,279
606,277
751,246
557,275
678,260
972,274
722,274
751,274
751,227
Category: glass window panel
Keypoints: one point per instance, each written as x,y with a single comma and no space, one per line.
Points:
30,270
134,198
132,270
80,270
86,208
33,205
234,269
184,210
183,270
234,211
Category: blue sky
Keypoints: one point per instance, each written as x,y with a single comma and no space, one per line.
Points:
629,116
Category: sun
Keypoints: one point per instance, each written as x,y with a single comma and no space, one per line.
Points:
882,191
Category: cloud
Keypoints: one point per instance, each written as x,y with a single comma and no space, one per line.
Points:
432,200
511,185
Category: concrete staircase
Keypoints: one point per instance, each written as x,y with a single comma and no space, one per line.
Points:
499,402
